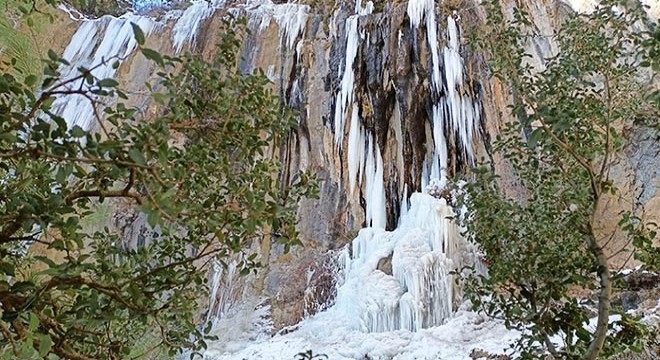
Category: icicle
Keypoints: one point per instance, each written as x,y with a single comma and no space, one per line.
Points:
425,9
425,174
188,25
308,295
403,208
461,108
366,10
291,19
440,161
222,290
355,154
375,213
345,94
215,284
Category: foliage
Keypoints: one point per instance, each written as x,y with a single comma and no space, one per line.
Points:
199,171
98,8
18,22
309,355
544,247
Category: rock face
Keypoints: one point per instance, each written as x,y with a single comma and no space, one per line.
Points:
376,90
362,85
98,8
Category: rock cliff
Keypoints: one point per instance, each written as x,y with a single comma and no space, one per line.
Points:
388,95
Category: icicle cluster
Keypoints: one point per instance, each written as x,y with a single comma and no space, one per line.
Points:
187,26
101,43
223,287
97,43
456,110
364,157
345,94
290,19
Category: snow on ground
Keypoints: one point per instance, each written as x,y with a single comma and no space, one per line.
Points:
454,340
587,6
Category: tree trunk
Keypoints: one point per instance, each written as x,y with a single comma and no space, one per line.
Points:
603,297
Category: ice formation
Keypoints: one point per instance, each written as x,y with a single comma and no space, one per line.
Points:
363,157
419,10
456,112
400,311
99,44
418,291
289,17
462,109
375,188
222,288
356,142
187,26
425,247
345,95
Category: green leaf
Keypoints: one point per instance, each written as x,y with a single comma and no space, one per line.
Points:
31,80
138,34
7,268
108,83
46,261
534,137
52,55
77,132
45,344
153,55
137,157
153,218
33,322
60,175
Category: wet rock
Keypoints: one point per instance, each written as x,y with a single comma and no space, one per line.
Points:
642,280
98,8
385,265
627,300
481,354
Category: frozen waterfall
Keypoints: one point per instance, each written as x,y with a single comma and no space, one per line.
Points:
400,279
98,45
390,280
104,44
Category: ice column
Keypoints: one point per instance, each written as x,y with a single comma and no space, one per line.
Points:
345,94
223,288
416,290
